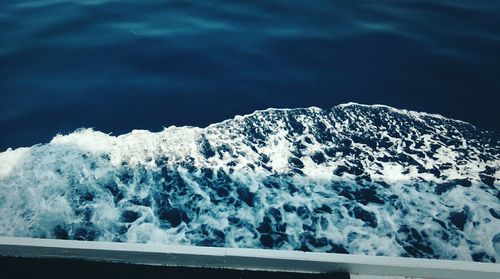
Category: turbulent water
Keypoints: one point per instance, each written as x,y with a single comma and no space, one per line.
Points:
352,179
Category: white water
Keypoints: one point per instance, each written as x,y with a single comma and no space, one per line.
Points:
360,179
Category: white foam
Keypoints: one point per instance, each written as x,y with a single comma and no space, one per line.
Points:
9,159
46,186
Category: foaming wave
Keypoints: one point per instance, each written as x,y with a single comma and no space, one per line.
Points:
353,179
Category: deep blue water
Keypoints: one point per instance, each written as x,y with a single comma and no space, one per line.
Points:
123,65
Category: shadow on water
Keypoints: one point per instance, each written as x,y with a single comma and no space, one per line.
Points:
71,268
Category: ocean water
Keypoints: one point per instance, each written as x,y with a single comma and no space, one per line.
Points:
352,179
123,65
219,124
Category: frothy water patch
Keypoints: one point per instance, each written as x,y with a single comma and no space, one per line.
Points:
353,179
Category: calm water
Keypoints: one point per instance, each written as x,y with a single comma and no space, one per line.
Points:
123,65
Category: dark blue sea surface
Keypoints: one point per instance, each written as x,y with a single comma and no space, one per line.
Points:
123,65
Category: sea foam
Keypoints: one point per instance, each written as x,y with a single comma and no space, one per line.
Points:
352,179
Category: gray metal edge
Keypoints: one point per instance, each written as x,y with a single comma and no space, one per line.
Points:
242,258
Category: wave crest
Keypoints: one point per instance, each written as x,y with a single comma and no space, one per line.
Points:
353,179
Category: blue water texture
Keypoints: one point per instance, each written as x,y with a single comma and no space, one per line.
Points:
217,123
123,65
357,179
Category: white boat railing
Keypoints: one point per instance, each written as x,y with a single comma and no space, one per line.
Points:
249,259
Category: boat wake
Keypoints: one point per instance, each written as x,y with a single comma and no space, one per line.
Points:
353,179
